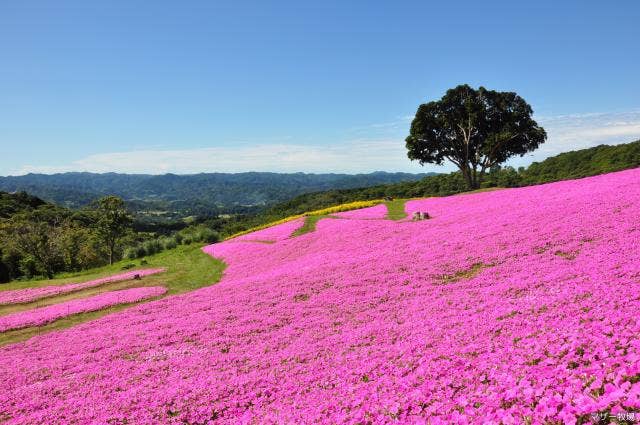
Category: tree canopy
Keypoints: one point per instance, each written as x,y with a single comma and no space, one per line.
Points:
112,222
473,129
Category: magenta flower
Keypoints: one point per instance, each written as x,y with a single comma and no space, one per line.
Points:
33,294
513,306
43,315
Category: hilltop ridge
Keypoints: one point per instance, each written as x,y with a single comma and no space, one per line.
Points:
190,194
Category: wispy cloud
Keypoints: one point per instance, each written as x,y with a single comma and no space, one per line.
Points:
580,131
373,147
394,127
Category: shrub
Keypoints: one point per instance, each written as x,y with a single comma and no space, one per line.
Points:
169,243
131,253
28,267
152,246
140,251
207,235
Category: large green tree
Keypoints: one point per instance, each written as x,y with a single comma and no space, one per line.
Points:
473,129
112,223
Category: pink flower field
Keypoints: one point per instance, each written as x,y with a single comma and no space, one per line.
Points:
377,211
507,307
33,294
273,233
44,315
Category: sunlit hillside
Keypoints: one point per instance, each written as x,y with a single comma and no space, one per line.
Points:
507,306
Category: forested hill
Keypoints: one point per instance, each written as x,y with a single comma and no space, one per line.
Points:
13,203
207,190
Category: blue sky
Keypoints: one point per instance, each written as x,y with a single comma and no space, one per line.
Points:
194,86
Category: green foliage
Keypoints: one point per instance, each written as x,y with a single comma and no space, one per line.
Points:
583,163
474,129
169,243
195,233
199,233
13,203
111,223
152,247
37,242
40,239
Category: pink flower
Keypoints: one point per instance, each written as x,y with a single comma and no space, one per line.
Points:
506,306
42,316
33,294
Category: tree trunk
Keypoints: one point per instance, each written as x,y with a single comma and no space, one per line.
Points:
480,178
476,177
111,250
475,182
466,173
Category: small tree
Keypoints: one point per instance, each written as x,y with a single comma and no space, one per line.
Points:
112,222
473,129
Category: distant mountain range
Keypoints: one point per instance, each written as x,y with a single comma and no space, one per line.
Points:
174,195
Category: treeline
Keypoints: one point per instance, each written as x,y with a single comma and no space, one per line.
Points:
37,238
41,239
570,165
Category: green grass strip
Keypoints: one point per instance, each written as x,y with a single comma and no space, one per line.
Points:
310,222
395,209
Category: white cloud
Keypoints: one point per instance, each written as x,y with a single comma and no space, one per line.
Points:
349,157
580,131
379,148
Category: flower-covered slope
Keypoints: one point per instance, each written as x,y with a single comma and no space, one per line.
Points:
33,294
273,233
513,306
378,211
42,316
